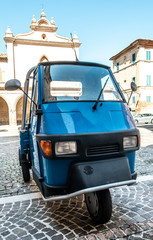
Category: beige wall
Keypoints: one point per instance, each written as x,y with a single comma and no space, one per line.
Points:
140,69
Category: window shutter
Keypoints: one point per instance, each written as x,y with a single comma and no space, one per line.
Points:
133,58
148,55
148,81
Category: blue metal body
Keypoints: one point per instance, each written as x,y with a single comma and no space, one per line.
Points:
74,118
71,118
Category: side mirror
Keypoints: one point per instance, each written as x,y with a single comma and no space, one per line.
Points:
133,87
12,85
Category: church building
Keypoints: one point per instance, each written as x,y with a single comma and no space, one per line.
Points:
24,51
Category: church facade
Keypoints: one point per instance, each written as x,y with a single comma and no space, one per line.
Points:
24,51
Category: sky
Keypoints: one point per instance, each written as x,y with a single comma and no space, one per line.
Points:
104,27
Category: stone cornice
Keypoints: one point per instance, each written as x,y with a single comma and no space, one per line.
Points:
43,28
3,57
146,87
127,67
139,42
132,64
41,42
2,88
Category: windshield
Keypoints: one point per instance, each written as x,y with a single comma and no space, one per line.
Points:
66,82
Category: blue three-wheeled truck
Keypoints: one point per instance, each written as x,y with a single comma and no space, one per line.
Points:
79,136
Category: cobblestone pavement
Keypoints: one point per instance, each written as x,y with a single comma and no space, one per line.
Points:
10,172
132,216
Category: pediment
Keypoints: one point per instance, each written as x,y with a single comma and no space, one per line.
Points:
43,33
43,22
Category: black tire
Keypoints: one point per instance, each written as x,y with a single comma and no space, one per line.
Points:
99,205
25,171
25,166
19,157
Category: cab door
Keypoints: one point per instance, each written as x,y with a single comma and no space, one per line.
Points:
24,151
33,124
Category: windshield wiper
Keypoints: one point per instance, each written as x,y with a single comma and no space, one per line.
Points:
101,91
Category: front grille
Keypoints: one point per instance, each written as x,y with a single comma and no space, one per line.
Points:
102,150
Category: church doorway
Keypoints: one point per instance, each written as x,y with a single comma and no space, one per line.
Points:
4,112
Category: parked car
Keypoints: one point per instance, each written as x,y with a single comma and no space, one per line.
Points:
80,137
144,118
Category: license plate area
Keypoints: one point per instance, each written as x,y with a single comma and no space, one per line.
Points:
96,173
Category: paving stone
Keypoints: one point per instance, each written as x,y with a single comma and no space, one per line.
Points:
81,238
118,232
11,237
92,237
33,231
38,235
101,236
69,219
148,234
28,237
5,233
57,237
19,232
109,234
51,232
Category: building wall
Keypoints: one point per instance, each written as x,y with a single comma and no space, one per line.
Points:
3,71
25,51
127,71
4,119
27,56
139,71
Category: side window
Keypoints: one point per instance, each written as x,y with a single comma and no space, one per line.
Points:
26,105
30,89
35,99
34,94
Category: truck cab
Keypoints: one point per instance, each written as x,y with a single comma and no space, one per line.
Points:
79,136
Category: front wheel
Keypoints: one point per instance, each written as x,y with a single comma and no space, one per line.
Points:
99,205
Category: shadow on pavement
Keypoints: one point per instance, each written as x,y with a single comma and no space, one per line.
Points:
146,126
